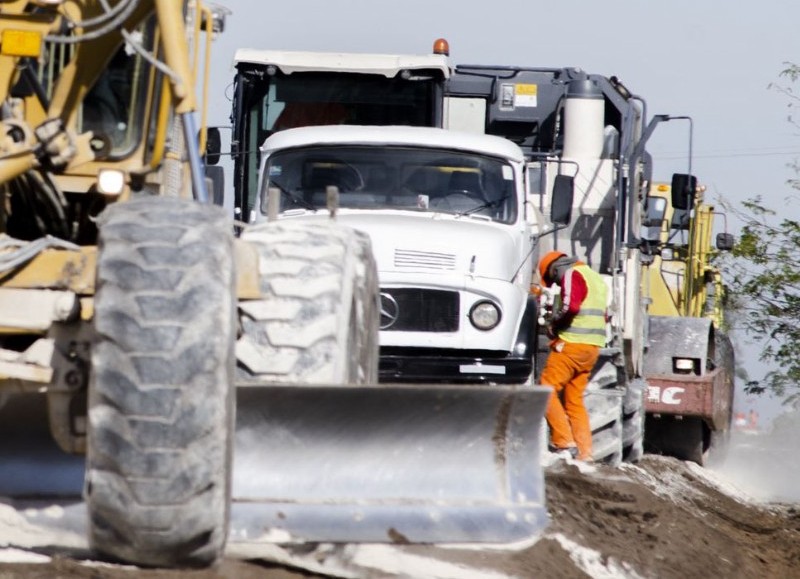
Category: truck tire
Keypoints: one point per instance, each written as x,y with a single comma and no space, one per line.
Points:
161,396
318,322
603,400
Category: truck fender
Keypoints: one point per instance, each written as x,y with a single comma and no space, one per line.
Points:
525,344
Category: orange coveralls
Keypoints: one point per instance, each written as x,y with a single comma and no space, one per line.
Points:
569,366
567,372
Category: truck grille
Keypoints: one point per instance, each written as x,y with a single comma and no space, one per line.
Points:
423,259
419,310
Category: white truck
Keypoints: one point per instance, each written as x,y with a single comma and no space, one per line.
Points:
453,230
578,132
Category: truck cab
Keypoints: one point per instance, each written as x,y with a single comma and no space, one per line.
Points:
276,90
452,229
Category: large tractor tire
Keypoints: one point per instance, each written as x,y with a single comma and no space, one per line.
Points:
161,397
318,321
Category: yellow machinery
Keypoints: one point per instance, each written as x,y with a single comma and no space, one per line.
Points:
137,330
682,281
105,292
689,362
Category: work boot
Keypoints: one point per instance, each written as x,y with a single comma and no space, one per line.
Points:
568,452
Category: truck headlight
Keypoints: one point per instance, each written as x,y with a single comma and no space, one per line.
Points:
484,315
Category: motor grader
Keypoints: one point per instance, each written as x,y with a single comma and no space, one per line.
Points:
137,329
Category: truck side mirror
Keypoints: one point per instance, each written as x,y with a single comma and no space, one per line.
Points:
653,221
215,180
683,190
213,146
725,241
563,193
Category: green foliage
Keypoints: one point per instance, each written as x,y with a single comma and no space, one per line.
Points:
792,71
763,274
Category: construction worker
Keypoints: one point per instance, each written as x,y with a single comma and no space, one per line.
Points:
578,331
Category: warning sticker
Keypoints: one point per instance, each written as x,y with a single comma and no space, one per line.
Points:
525,95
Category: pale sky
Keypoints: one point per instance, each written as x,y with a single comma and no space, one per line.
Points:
712,60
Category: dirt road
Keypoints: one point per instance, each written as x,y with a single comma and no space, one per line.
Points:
661,518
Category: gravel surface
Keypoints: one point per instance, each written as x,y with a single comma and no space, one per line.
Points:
660,518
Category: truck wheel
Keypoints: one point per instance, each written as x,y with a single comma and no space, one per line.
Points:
603,400
607,443
633,422
318,322
161,397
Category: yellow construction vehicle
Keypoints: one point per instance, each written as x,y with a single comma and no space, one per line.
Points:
689,365
136,329
110,319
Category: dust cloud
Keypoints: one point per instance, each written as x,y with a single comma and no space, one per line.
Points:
766,464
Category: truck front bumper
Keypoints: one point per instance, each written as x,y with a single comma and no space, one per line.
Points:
453,367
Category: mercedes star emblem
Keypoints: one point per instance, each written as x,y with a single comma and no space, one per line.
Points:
389,311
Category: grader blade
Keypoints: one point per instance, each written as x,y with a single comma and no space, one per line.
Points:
31,463
389,463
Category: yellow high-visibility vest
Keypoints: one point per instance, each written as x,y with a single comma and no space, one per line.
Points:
589,325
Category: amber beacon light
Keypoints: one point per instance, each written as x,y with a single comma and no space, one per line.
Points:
441,46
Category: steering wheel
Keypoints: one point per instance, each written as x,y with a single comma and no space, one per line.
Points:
353,180
339,173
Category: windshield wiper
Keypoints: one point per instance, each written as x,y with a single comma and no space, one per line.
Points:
294,198
487,205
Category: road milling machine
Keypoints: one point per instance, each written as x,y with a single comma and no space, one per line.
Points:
208,385
690,362
584,139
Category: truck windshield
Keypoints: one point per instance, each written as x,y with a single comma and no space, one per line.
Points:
414,179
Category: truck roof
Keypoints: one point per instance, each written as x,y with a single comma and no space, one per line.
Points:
389,65
394,135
